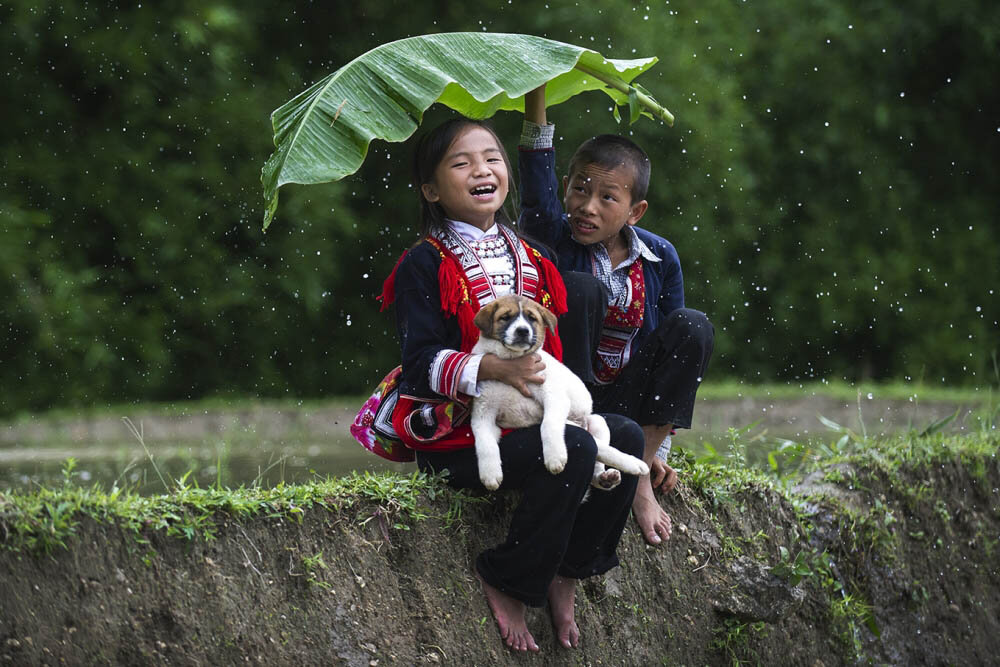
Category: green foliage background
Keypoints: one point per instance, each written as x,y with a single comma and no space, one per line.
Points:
831,184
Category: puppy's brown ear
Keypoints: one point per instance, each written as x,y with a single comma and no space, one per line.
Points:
484,318
549,318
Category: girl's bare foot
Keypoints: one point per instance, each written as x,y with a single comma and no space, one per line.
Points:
653,521
509,614
562,599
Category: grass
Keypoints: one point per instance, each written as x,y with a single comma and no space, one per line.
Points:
840,390
210,405
48,518
709,391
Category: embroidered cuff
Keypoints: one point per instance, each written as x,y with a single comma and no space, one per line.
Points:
535,136
446,369
664,451
468,381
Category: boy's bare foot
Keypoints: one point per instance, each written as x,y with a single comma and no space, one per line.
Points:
509,614
653,521
562,600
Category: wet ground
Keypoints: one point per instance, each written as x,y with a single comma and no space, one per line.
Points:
266,443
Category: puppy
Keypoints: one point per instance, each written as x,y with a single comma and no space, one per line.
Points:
514,326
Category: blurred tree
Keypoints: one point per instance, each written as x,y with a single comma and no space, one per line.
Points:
830,184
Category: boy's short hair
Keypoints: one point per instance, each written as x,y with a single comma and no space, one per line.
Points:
611,151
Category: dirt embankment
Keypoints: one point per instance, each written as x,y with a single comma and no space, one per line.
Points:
909,577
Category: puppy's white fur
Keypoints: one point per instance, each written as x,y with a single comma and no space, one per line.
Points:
513,326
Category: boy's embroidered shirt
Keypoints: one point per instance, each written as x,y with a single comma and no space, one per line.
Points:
542,217
621,324
616,279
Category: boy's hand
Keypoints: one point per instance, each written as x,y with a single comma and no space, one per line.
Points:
518,373
534,105
661,476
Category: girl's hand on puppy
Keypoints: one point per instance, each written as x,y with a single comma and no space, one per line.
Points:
518,373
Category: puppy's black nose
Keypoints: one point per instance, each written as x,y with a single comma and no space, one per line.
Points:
522,334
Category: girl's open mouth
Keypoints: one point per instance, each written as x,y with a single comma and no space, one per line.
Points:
584,226
483,190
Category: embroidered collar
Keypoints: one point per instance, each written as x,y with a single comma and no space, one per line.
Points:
636,249
524,277
470,232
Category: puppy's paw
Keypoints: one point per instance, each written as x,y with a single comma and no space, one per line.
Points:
635,466
491,474
491,482
606,480
555,462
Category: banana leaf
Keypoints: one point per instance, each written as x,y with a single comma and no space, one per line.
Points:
322,134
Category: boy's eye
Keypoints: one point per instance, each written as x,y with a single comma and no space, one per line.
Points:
610,198
459,164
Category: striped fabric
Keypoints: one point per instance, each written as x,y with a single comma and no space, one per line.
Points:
525,274
446,371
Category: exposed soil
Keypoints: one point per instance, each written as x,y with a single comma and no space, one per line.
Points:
919,546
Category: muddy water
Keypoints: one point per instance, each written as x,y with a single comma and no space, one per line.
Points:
266,445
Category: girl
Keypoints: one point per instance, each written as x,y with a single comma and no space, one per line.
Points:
469,255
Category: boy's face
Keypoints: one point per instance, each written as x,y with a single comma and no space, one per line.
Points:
599,203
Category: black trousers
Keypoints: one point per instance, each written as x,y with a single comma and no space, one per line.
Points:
660,382
550,532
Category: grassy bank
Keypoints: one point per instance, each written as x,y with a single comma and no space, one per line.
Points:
839,554
45,519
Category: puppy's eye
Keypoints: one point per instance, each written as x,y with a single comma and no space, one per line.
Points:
504,318
530,317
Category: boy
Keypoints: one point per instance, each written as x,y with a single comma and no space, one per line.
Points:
652,352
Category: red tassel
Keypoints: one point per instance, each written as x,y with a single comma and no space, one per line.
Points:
450,285
553,344
470,332
554,285
389,286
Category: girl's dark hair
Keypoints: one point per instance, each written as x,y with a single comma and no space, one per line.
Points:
430,150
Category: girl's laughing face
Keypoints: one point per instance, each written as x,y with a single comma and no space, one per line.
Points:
471,182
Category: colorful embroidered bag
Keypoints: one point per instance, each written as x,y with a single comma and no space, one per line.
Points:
373,425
